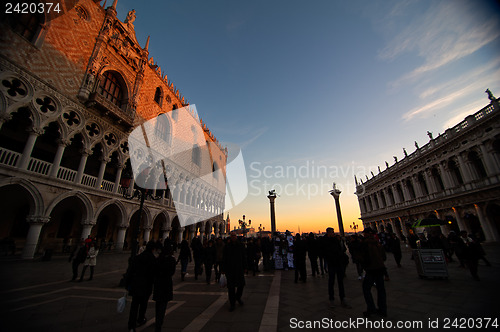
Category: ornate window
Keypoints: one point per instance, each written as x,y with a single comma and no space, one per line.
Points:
27,25
110,88
158,96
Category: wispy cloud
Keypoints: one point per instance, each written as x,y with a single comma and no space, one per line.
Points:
461,90
256,135
477,74
447,32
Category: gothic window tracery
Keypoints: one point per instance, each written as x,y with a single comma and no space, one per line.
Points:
110,88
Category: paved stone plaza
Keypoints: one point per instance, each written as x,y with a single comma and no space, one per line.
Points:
38,296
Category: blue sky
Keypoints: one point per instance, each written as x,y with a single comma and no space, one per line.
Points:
338,84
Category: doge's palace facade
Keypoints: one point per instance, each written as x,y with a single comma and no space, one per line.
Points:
72,89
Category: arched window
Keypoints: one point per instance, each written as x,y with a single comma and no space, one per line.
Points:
423,184
437,179
477,165
110,88
27,25
455,173
215,170
162,128
158,96
196,155
411,191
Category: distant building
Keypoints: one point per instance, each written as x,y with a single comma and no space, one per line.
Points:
454,177
72,87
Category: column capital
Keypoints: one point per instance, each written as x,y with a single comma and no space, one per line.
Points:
38,219
86,152
88,222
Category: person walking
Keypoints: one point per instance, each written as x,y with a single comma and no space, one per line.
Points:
395,245
333,254
140,278
355,251
372,259
91,261
234,266
299,258
184,258
312,252
163,287
209,257
197,248
219,252
78,255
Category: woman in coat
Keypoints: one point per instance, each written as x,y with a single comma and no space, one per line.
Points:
163,287
91,261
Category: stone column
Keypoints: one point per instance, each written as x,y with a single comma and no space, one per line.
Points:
166,233
488,161
28,148
104,161
446,176
488,230
120,238
416,186
147,234
379,199
57,158
431,185
86,228
461,224
272,197
466,174
395,193
118,178
36,224
81,167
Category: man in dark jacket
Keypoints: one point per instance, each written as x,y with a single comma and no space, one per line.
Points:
299,258
333,254
234,265
372,259
163,286
140,277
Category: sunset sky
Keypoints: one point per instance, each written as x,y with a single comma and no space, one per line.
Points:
315,92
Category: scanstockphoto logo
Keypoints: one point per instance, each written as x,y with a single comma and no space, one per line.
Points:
173,150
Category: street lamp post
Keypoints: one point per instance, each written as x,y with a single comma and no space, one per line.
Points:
336,194
354,227
141,194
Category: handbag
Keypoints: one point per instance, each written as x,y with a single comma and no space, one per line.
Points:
223,281
121,303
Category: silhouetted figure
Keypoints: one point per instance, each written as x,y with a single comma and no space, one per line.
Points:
197,248
78,256
234,265
372,259
163,286
299,258
184,258
91,260
209,257
395,246
140,277
333,253
312,252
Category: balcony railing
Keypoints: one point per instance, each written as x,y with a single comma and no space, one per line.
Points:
8,157
98,101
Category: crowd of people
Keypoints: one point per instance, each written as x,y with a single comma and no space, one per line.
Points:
150,271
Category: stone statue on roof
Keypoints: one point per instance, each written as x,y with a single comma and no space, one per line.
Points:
490,95
130,17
